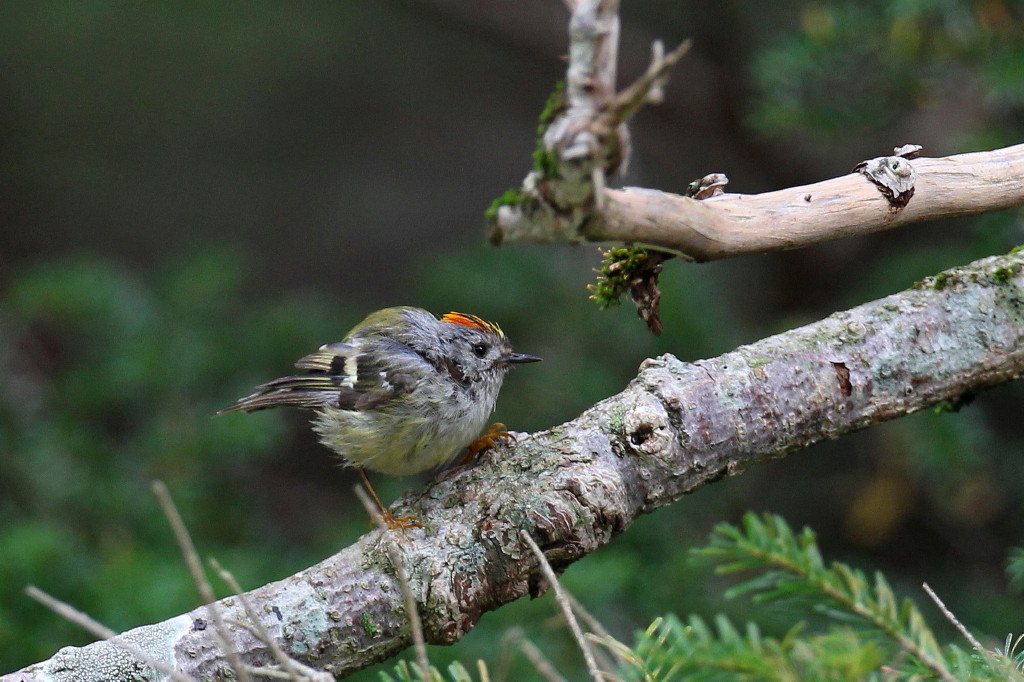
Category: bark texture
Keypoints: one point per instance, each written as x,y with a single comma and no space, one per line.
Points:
675,427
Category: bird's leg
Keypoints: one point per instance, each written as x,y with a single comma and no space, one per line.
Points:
393,522
485,442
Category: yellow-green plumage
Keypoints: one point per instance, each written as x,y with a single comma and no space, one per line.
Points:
403,392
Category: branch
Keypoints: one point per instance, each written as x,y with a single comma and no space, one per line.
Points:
731,225
675,428
737,224
584,140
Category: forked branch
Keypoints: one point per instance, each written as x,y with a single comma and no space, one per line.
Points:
565,197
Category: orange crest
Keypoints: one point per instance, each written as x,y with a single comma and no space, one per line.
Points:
473,322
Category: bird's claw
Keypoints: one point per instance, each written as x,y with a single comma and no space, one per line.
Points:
487,441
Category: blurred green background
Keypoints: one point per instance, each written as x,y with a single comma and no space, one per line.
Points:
194,195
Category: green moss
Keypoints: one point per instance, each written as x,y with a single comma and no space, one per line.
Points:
940,281
954,404
619,267
511,197
552,108
1017,249
1004,274
617,418
544,160
368,627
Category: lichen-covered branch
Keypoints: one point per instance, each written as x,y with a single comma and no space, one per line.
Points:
574,487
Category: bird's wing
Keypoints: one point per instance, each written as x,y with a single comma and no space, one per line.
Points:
342,375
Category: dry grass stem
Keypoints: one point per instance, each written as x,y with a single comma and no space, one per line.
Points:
952,618
195,567
535,656
287,663
415,625
563,602
595,627
372,509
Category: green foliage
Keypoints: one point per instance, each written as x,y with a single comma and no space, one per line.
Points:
108,382
405,672
673,650
872,628
861,66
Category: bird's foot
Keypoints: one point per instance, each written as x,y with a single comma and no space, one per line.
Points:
487,441
400,522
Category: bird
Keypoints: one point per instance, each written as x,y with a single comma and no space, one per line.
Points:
404,391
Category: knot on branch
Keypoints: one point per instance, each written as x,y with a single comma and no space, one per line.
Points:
893,175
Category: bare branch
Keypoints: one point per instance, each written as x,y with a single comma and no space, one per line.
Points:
622,107
737,224
676,427
730,225
565,197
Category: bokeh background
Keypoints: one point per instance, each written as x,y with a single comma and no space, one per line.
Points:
192,195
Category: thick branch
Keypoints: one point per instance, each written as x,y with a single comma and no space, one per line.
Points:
676,427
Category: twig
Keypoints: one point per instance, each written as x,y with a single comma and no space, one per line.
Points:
535,656
563,602
258,630
595,627
94,627
626,103
656,94
415,624
195,567
952,618
372,509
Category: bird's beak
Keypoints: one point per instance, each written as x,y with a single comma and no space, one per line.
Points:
518,358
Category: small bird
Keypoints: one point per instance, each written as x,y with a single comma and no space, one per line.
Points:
403,392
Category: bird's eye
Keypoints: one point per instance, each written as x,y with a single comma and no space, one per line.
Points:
480,349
